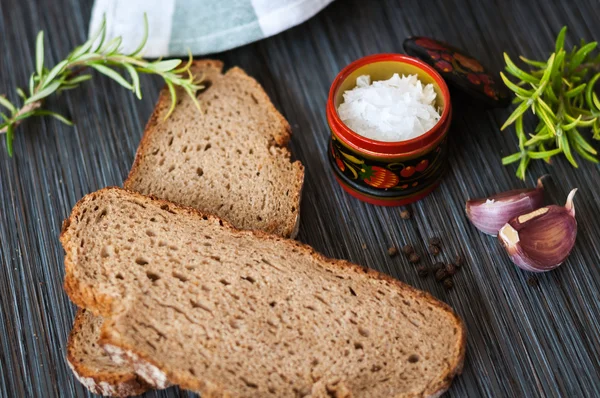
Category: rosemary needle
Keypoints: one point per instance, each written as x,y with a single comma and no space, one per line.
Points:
560,92
103,56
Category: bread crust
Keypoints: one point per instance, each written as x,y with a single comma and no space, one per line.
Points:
102,383
85,296
281,139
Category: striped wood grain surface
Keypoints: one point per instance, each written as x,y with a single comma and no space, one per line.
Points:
523,340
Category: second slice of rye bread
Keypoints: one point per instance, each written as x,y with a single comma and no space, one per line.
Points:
93,366
231,160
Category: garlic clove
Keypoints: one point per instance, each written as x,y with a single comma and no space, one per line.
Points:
490,214
541,240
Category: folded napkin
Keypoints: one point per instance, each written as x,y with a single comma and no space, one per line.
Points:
202,26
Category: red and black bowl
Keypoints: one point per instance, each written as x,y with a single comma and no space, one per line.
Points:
388,173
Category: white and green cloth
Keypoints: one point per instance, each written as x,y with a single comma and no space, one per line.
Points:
202,26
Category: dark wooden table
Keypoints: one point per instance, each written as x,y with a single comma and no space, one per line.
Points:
524,341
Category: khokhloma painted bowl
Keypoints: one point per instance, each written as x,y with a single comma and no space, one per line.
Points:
388,173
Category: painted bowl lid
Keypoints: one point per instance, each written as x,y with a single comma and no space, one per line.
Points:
460,70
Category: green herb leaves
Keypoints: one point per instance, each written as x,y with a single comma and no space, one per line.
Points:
104,57
560,92
39,53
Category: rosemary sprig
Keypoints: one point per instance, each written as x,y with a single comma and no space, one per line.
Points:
560,92
103,56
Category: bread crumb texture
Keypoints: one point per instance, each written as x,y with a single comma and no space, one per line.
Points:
236,313
231,159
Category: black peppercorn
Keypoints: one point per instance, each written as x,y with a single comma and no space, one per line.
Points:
392,251
435,241
408,250
414,258
434,250
533,282
440,274
448,284
405,214
422,271
451,269
438,265
459,261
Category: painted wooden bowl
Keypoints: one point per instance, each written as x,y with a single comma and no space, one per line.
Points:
388,173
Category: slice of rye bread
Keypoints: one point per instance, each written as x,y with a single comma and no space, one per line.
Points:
194,143
189,299
92,365
230,160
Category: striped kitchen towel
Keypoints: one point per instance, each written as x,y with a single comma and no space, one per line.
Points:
202,26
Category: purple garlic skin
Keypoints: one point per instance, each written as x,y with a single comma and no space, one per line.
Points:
541,240
490,214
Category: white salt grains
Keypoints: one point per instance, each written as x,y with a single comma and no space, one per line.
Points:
397,109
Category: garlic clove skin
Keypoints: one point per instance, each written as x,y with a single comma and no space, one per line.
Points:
541,240
490,214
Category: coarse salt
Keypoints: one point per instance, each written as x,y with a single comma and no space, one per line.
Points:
397,109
